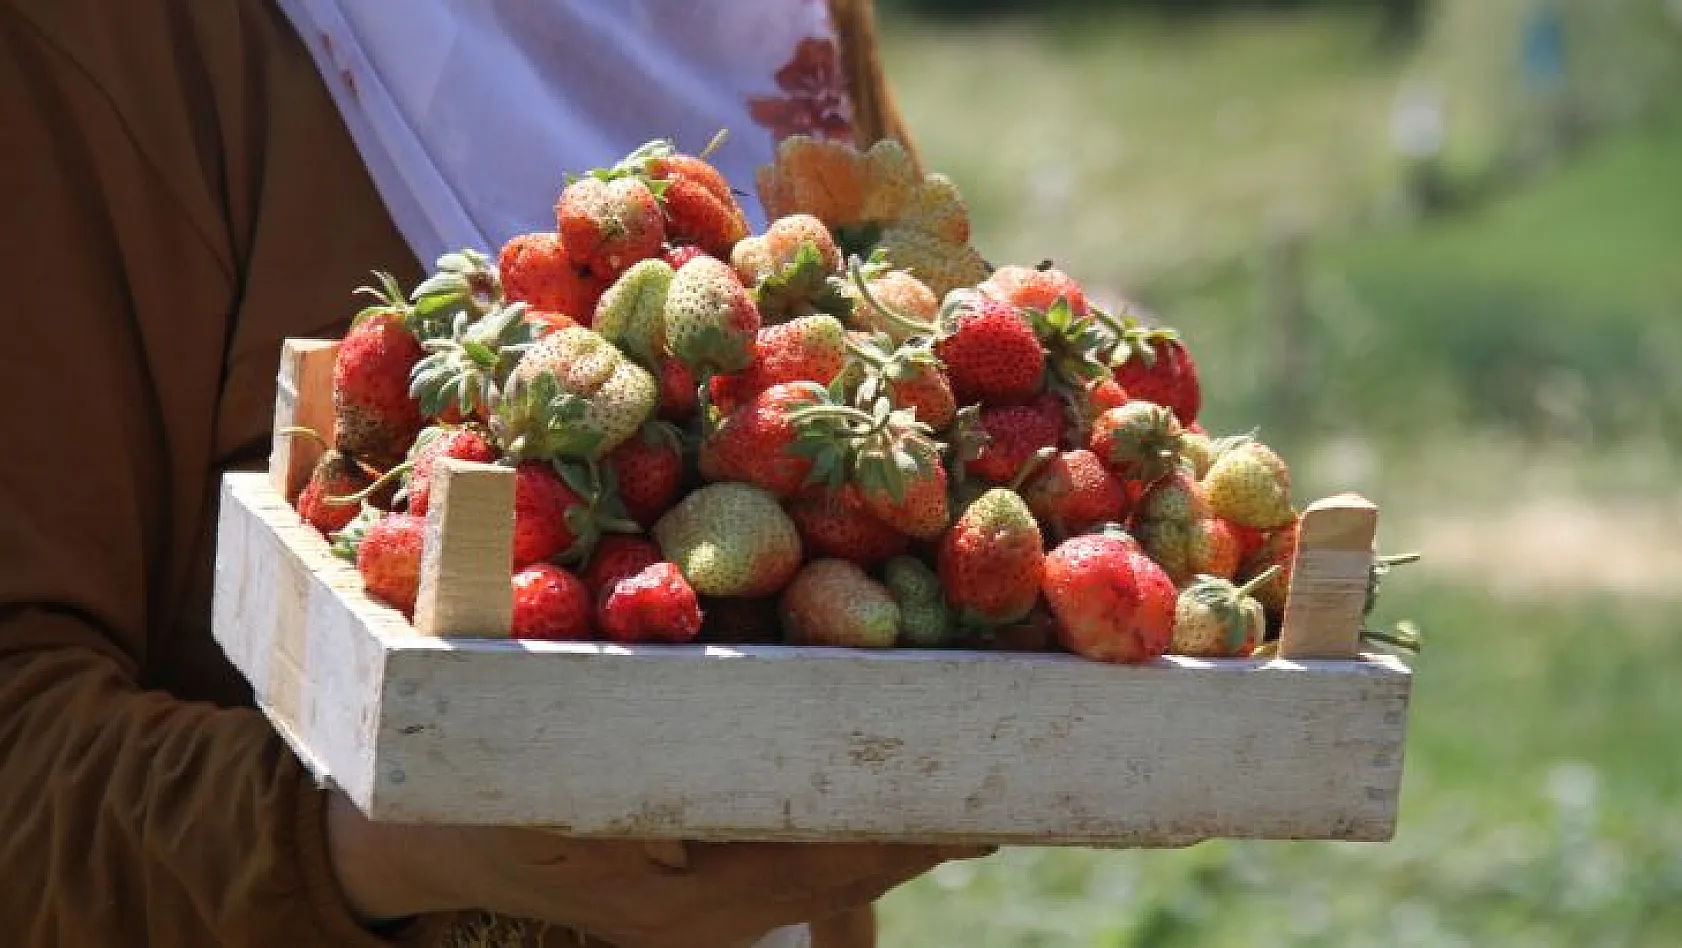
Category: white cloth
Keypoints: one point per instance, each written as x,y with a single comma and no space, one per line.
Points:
469,114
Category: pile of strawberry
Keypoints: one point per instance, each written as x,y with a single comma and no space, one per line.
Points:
848,430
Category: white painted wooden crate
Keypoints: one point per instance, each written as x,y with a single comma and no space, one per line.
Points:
786,743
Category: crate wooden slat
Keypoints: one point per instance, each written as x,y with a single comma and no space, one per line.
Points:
786,743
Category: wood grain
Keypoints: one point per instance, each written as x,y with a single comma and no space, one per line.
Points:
303,398
1329,579
466,579
785,743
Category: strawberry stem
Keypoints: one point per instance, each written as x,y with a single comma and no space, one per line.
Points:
712,146
294,431
897,319
379,484
1031,465
1256,581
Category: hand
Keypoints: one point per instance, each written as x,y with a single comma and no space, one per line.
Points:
728,895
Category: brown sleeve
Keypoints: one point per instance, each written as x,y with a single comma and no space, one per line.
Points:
875,113
127,816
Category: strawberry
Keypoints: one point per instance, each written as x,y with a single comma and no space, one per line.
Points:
389,560
1278,549
546,513
1014,434
678,393
617,556
1215,619
1034,288
1153,365
895,291
375,417
335,475
699,206
757,443
680,254
1101,395
779,248
833,602
607,225
838,524
537,270
546,321
732,621
631,314
911,376
463,444
710,321
991,561
1166,523
990,352
551,604
653,605
1250,486
924,620
1139,442
1213,548
647,471
1074,492
889,454
730,539
1112,603
1198,451
594,399
806,349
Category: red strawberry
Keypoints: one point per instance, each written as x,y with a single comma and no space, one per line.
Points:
837,524
1038,289
1139,442
1112,604
990,351
537,270
698,202
1014,434
617,556
549,320
679,392
1215,549
543,513
755,443
654,605
911,376
550,603
648,471
1153,365
807,349
463,444
1249,539
389,559
991,561
681,254
608,225
1074,492
375,415
336,474
1103,395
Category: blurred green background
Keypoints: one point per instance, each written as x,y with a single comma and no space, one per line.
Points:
1434,251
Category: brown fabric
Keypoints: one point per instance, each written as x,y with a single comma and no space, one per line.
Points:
181,196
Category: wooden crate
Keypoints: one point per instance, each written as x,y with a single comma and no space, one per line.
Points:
449,721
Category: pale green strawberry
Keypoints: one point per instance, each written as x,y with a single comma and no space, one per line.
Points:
924,620
617,394
1215,619
833,602
730,539
1250,486
710,319
631,314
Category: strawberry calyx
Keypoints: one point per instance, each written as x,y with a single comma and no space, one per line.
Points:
465,284
465,370
601,511
802,287
536,419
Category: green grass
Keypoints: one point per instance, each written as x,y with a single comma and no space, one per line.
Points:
1540,807
1524,347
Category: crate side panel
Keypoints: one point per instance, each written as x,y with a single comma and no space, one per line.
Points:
309,650
807,744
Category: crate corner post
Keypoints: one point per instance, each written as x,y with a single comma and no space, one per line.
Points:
466,588
303,399
1329,575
